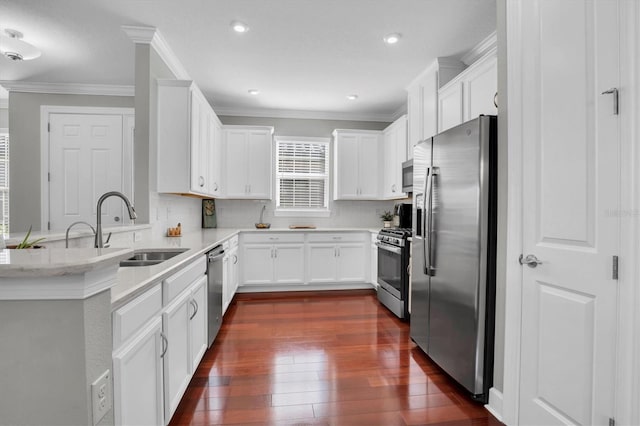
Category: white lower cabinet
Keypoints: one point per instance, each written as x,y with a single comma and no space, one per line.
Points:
159,339
137,378
177,365
337,257
337,263
229,272
273,259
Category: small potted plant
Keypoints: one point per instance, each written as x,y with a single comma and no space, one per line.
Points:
387,217
26,244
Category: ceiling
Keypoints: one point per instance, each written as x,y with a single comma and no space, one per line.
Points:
305,56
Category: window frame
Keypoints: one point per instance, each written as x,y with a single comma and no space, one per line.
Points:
301,211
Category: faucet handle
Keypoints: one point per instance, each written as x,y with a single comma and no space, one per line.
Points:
108,238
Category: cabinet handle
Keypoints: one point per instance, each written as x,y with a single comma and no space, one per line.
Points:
274,238
335,252
393,188
409,269
195,308
201,181
275,251
215,186
337,238
338,249
235,259
272,252
165,344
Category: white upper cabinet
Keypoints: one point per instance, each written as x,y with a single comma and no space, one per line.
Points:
357,164
470,94
395,146
422,100
248,162
187,139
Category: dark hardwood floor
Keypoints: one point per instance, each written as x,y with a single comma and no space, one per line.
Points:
336,358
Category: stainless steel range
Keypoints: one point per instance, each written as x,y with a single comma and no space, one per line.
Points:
393,274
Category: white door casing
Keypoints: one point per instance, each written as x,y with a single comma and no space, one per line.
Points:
103,162
570,176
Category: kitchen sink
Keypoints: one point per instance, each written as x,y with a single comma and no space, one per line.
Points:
148,257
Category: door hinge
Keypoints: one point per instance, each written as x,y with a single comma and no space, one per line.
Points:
615,93
48,127
614,268
612,422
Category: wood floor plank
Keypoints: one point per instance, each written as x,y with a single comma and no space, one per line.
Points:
334,358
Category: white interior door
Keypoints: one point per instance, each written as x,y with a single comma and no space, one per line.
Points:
85,161
570,211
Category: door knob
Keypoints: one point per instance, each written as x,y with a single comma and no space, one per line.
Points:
530,260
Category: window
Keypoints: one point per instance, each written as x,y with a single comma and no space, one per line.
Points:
302,176
4,183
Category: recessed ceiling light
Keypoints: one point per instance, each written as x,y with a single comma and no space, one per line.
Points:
352,97
239,27
392,38
254,92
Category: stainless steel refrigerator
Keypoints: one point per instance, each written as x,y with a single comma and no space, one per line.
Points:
453,258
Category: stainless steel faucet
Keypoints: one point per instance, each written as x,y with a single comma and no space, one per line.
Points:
132,214
66,236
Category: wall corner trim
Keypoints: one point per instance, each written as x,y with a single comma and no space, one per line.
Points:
495,404
152,36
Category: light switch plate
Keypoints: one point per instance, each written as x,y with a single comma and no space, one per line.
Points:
101,399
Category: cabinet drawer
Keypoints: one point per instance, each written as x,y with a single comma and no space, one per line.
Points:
132,316
337,237
274,237
178,282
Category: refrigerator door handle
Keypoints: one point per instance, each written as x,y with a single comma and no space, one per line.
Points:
429,270
426,222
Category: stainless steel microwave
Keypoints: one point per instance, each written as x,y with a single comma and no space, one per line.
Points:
407,176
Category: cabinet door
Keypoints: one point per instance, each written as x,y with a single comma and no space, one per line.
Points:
137,378
226,281
236,158
369,176
450,106
259,164
414,117
289,263
480,87
177,365
215,170
321,261
199,144
258,264
351,262
233,276
346,167
389,160
198,322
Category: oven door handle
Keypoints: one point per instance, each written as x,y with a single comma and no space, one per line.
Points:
387,247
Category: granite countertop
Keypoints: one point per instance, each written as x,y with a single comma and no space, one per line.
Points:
58,261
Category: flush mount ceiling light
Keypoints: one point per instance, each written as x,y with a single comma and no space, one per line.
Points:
392,38
352,97
239,27
13,47
254,92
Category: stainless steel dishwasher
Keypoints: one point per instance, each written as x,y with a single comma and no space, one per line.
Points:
214,285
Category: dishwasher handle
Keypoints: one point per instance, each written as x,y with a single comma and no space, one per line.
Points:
215,255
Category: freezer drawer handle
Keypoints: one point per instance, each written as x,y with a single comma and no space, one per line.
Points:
531,260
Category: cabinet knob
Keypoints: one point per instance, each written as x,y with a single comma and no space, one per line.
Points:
215,186
393,188
201,181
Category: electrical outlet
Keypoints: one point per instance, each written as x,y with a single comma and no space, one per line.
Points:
101,396
137,236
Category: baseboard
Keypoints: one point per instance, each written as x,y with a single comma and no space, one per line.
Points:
495,403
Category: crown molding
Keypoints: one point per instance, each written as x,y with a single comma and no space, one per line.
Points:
402,110
67,88
299,114
152,36
479,50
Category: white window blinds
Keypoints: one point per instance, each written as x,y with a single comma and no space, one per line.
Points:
4,183
302,175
